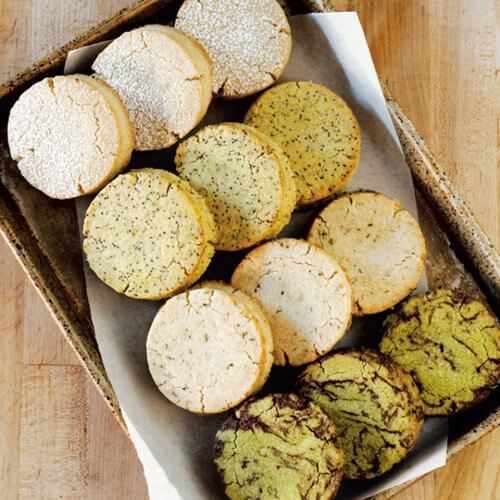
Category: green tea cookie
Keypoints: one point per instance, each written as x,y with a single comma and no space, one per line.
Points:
305,296
207,351
316,130
245,180
374,404
278,447
378,244
451,346
148,234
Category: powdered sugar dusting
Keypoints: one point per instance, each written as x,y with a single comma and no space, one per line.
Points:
249,42
64,136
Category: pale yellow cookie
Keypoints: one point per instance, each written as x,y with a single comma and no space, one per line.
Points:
249,42
69,135
147,235
304,293
164,79
244,179
256,311
316,130
206,351
379,245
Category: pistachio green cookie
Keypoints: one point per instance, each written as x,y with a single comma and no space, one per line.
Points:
279,446
374,404
450,345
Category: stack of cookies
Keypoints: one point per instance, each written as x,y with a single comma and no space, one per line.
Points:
151,234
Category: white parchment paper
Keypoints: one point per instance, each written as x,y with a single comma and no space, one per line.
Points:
174,446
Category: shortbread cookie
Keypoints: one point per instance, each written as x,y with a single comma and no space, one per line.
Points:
248,42
451,346
304,293
258,314
206,351
69,135
148,234
164,79
316,130
278,447
374,404
379,245
245,180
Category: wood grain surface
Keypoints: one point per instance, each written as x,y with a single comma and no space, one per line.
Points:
57,437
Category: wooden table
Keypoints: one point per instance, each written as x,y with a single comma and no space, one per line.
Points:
57,437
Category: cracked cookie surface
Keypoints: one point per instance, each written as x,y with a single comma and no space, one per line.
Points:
316,130
206,350
304,293
451,346
69,135
148,235
374,404
164,79
279,446
249,42
377,243
244,179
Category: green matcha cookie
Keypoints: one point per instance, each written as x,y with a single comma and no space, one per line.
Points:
374,404
450,345
279,446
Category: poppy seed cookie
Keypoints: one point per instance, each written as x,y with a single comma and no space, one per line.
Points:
164,79
316,130
248,42
378,244
278,447
305,296
451,346
374,404
245,180
206,350
69,135
148,234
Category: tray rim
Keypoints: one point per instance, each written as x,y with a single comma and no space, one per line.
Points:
442,196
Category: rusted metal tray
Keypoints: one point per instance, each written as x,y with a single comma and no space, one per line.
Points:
43,233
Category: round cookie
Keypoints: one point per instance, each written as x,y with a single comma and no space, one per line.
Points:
379,245
69,135
374,404
304,293
276,447
245,180
164,79
248,42
148,234
206,350
451,346
256,311
316,130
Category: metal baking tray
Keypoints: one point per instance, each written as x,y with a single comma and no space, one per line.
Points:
43,233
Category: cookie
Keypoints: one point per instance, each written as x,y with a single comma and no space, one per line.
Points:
374,404
69,135
451,346
244,179
206,350
304,293
379,245
148,234
248,42
164,79
316,130
256,311
276,447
